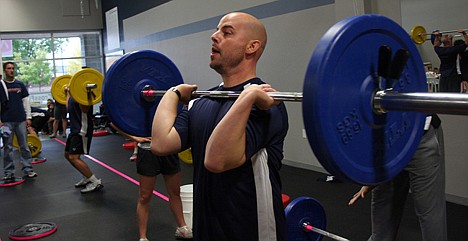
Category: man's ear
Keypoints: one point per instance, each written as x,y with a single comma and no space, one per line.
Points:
253,46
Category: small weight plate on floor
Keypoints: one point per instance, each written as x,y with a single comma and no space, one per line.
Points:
350,140
101,133
124,82
58,88
304,210
38,160
34,144
286,200
17,181
128,145
32,231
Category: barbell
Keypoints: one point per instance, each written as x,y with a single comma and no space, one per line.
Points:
85,87
419,34
306,221
364,97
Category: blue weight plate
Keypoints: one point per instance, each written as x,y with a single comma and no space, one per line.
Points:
123,83
348,138
304,210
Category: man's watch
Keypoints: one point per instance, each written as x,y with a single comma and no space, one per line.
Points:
175,90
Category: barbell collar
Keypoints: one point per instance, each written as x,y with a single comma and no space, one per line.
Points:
148,93
309,228
441,103
91,86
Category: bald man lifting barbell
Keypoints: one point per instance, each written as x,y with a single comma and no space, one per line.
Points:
364,121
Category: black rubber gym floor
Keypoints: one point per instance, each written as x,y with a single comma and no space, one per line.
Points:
109,214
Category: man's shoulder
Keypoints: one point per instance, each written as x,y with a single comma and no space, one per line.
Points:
18,82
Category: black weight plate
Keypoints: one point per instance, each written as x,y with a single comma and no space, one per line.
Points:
32,231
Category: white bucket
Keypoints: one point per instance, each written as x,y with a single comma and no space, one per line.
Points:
186,190
186,195
188,218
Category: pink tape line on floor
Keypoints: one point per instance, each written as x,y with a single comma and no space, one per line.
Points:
163,197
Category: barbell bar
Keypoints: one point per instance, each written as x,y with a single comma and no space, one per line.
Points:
310,228
384,100
419,34
147,94
85,87
448,31
363,111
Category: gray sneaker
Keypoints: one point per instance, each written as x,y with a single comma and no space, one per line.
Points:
9,179
31,174
82,182
92,187
183,233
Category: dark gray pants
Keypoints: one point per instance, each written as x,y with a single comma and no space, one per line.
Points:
425,177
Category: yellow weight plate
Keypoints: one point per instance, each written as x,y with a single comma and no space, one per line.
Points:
418,34
186,156
78,84
34,144
58,88
15,142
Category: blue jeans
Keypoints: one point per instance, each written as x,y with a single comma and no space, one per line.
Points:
18,128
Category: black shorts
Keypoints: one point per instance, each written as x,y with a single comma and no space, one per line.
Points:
60,112
151,165
75,144
38,122
450,84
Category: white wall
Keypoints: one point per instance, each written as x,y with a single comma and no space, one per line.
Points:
434,15
49,15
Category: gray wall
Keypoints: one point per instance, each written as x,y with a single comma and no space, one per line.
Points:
181,30
432,15
50,15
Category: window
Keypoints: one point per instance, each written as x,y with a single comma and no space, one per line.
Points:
41,57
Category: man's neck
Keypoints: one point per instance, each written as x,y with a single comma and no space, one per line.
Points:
230,81
238,75
9,80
